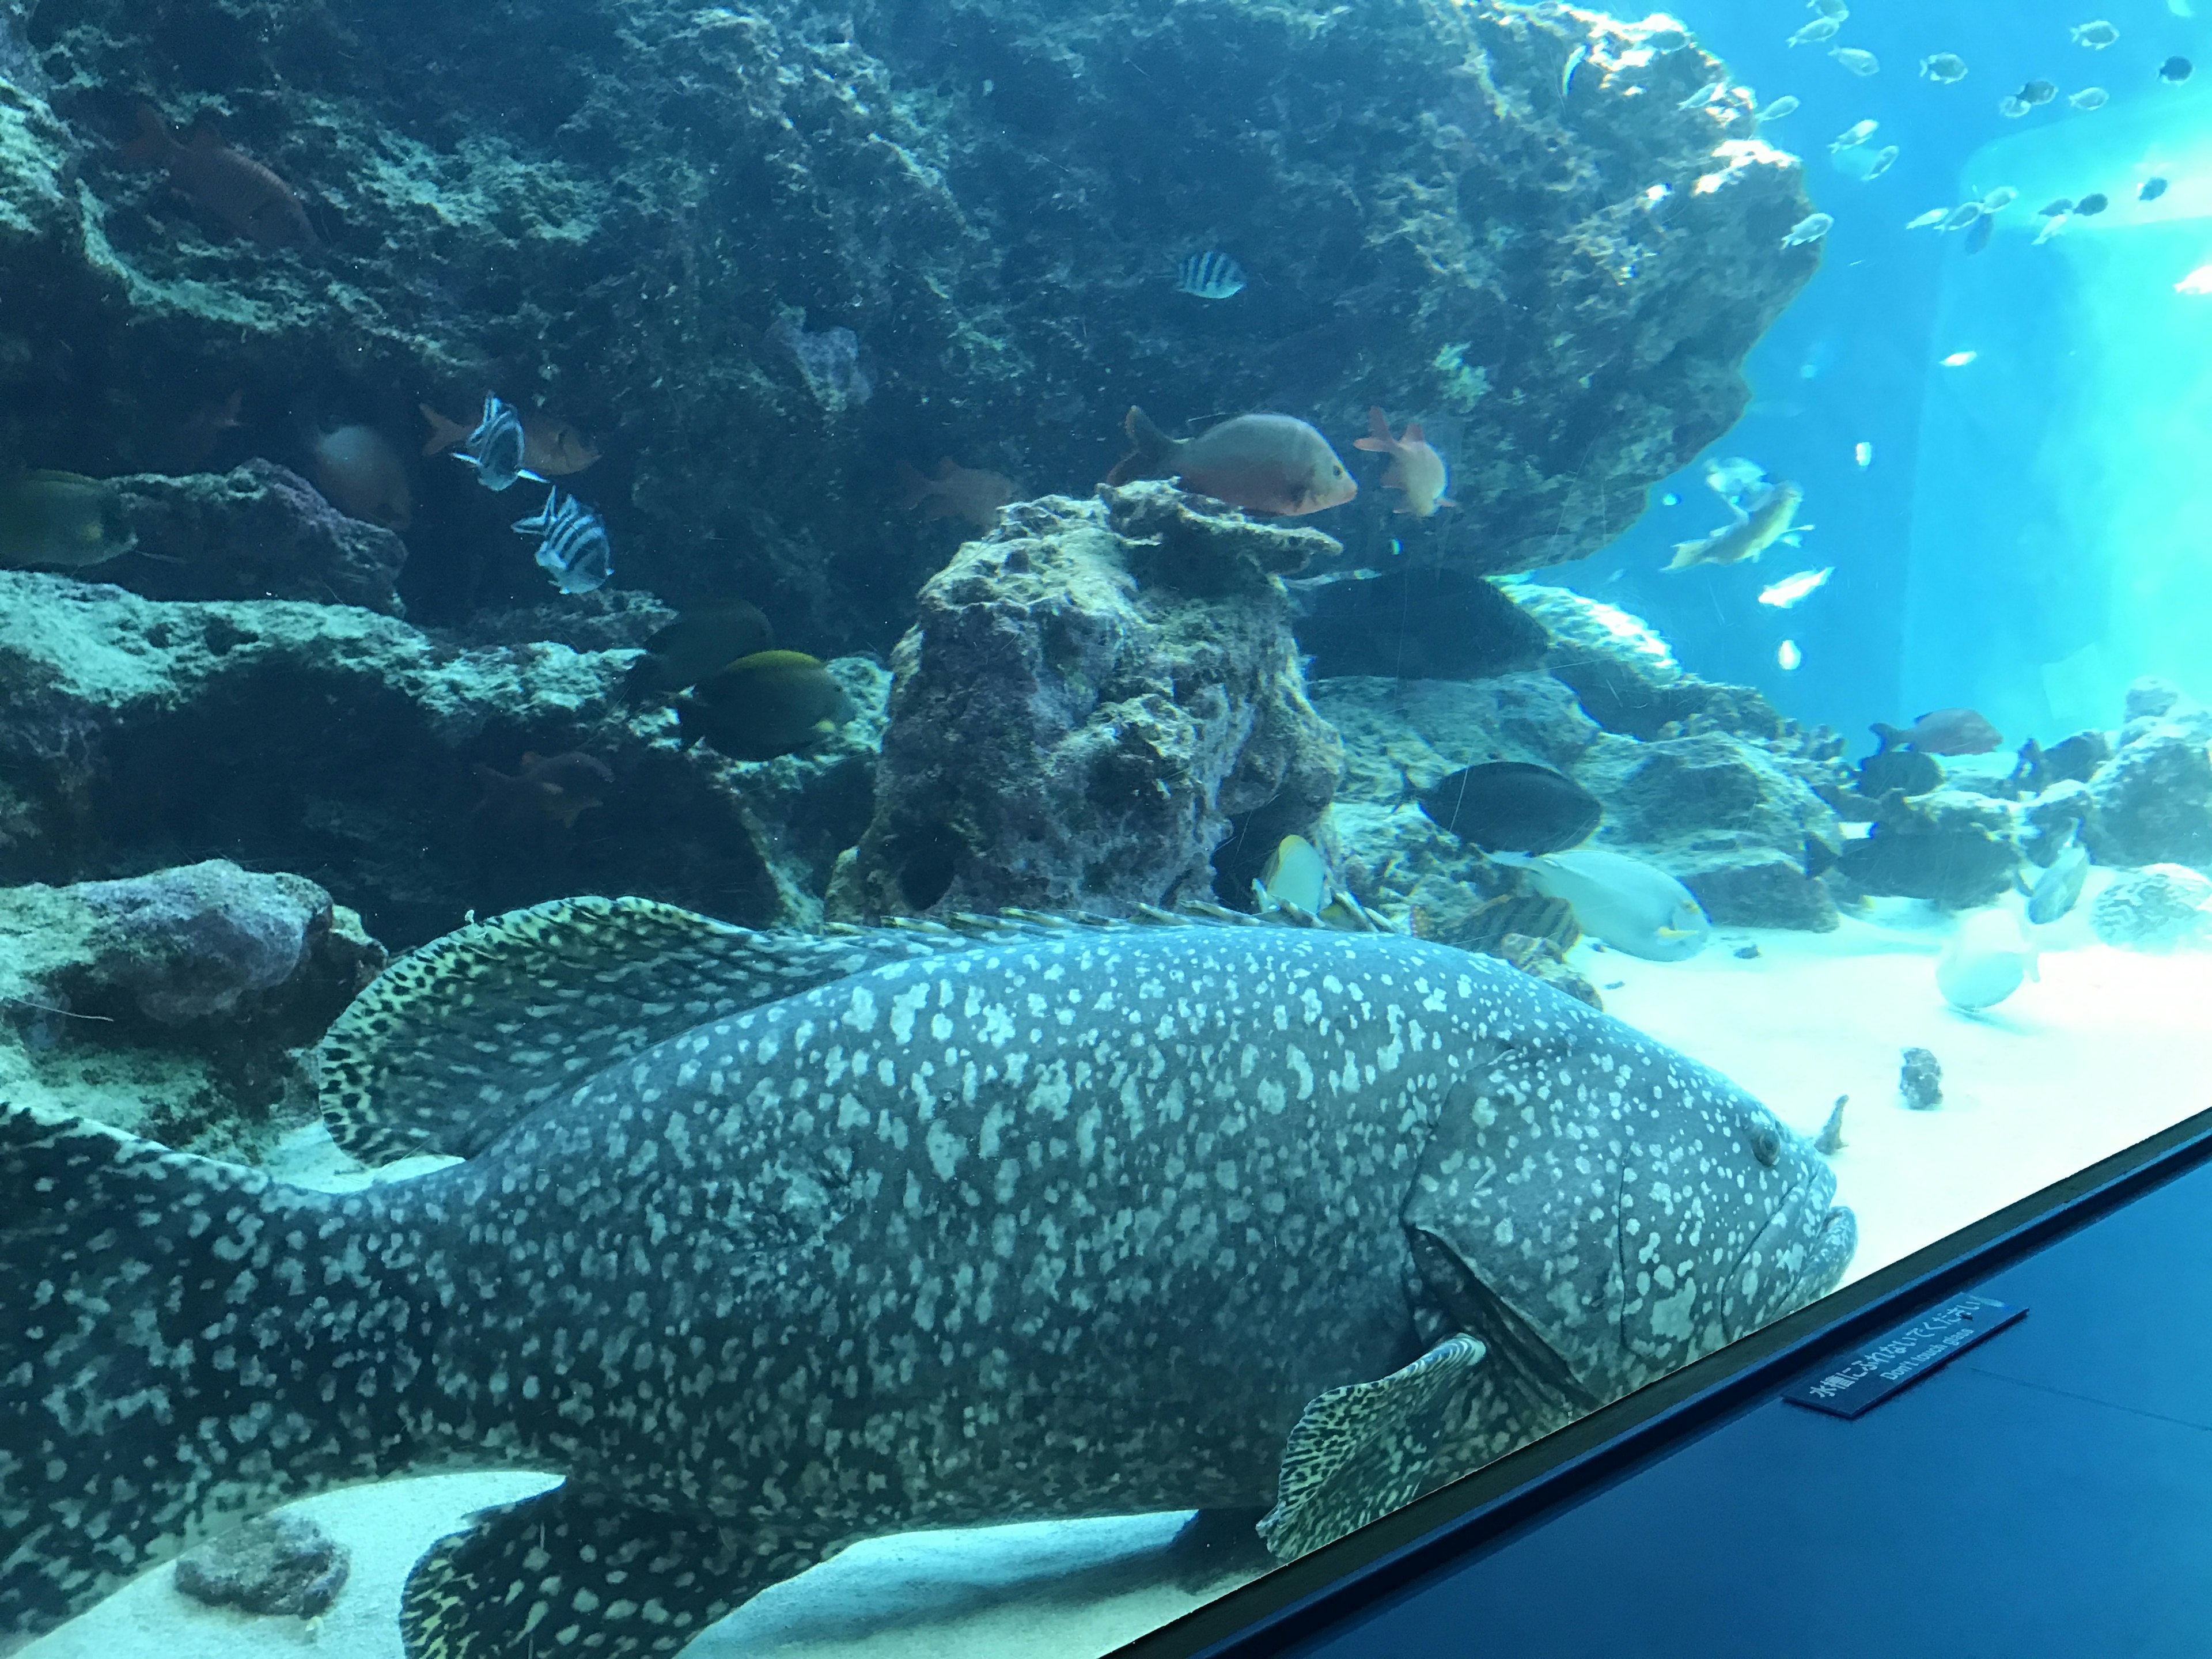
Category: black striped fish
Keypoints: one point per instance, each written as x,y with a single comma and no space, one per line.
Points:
572,543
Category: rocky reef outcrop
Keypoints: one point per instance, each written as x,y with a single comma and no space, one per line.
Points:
760,256
1725,815
259,532
1094,697
346,746
178,1002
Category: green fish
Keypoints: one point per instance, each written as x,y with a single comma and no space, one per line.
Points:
61,519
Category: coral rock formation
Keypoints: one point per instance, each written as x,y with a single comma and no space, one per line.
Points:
1720,793
256,531
981,207
1092,694
336,742
175,1002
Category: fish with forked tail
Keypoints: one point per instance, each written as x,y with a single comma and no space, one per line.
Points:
1275,464
1751,534
1415,468
770,1242
550,447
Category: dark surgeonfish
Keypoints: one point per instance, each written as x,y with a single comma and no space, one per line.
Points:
1899,770
770,1242
62,520
771,703
1275,464
698,642
1513,806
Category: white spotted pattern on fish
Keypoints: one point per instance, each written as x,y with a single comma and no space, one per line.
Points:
1075,1223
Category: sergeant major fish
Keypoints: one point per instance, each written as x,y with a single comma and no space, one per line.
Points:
498,448
573,545
767,1244
551,448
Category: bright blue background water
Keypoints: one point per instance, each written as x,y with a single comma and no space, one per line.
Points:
1856,358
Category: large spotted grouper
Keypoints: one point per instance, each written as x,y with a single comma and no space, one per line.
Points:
770,1242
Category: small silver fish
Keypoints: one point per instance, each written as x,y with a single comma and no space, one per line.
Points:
1574,61
2056,210
2056,223
1858,61
1703,95
1211,277
2096,36
1794,590
1857,133
1835,9
1934,217
2036,94
2151,188
495,448
2089,98
2010,107
1885,158
572,543
1785,104
1944,68
1960,216
1820,29
2002,197
1810,228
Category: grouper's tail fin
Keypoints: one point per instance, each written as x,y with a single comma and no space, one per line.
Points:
169,1358
1152,452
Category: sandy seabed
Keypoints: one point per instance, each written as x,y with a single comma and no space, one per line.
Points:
2108,1047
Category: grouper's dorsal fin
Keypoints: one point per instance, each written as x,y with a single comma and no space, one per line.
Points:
570,1571
453,1044
1362,1450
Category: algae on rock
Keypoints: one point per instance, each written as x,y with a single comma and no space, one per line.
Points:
178,1004
342,744
615,220
1093,694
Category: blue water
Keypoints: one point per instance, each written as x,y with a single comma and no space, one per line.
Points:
1856,359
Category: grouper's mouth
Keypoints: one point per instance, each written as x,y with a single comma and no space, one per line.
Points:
1785,1268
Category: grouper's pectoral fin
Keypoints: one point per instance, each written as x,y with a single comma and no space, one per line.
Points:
574,1571
1360,1451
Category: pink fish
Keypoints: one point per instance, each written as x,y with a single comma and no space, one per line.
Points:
1415,467
1268,463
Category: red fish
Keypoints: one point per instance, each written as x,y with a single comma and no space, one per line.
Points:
1273,465
956,491
237,189
1415,467
556,787
551,448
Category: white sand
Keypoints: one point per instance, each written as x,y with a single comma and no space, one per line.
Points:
2108,1048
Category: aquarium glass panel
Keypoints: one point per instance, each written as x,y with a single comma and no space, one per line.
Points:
904,830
